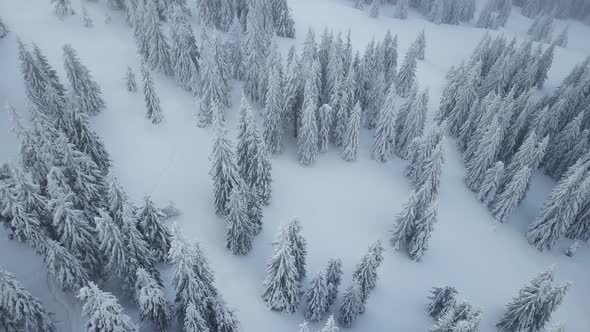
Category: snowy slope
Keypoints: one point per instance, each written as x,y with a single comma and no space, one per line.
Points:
343,206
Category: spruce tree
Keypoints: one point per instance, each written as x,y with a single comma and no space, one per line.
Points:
153,42
420,45
485,155
112,245
150,298
88,23
401,9
283,22
3,29
83,85
412,125
66,270
193,320
281,285
253,160
421,235
63,8
307,139
491,184
213,85
330,325
225,320
333,279
441,300
512,194
273,112
298,247
325,125
365,273
406,75
385,129
156,234
317,298
184,53
224,170
152,102
375,6
343,106
240,229
351,139
19,309
352,305
103,312
404,222
543,65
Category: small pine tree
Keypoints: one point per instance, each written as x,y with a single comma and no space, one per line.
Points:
130,80
351,140
401,9
273,112
193,320
281,285
385,129
150,298
63,8
83,85
103,312
20,311
88,23
352,305
420,45
333,279
404,222
156,234
240,230
441,300
152,102
330,325
375,7
317,298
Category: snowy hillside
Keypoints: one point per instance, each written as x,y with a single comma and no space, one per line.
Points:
343,206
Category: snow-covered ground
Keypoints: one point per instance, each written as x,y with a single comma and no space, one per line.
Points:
343,206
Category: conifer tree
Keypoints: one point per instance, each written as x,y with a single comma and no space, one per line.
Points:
63,8
385,129
32,76
184,53
130,80
225,320
412,124
283,22
317,298
421,235
273,112
406,75
404,222
156,234
401,9
466,95
66,270
152,102
103,312
303,327
193,320
365,273
307,139
153,44
240,230
112,244
281,285
511,194
491,184
213,92
255,50
325,125
88,23
352,134
562,38
543,65
253,160
420,45
224,170
441,300
375,6
485,155
330,325
150,298
343,106
333,279
352,305
3,29
446,321
298,247
19,309
83,85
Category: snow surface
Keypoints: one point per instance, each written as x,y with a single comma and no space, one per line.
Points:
343,206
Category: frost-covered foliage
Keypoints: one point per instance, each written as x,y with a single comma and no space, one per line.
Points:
352,305
224,169
19,310
441,300
365,273
152,102
83,85
240,229
184,53
151,41
495,14
384,137
351,139
156,234
149,295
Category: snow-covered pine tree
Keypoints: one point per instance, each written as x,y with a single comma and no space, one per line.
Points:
325,126
283,22
225,320
491,184
240,229
445,322
153,44
441,300
63,8
298,246
542,28
485,155
352,305
273,112
103,312
214,85
405,221
130,80
83,85
351,139
184,53
33,78
401,9
561,39
543,65
88,23
235,45
149,295
152,102
488,18
330,325
303,327
3,29
253,161
138,251
560,208
307,138
532,308
112,244
365,273
343,105
317,298
75,233
406,75
281,285
375,7
20,310
385,128
156,234
418,243
224,170
333,279
66,270
420,45
412,124
512,194
256,49
464,97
